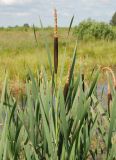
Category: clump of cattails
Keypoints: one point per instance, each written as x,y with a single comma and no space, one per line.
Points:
55,42
108,69
66,87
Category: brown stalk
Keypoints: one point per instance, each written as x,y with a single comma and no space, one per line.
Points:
114,82
55,42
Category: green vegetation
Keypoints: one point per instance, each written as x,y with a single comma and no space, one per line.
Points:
56,117
47,124
95,30
18,50
113,20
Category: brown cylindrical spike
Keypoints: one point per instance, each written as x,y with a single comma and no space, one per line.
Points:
83,84
109,91
55,54
55,23
55,42
109,98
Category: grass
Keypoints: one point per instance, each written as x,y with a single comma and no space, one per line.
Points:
18,50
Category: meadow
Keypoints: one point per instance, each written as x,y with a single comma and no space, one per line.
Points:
19,49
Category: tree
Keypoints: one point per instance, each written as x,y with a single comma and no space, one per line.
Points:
26,25
113,20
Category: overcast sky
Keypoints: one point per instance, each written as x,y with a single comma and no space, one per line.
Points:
18,12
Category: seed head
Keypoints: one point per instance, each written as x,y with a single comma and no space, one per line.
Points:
55,42
55,23
83,84
109,98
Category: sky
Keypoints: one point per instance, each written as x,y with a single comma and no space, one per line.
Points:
18,12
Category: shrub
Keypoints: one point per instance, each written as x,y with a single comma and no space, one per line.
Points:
94,30
113,20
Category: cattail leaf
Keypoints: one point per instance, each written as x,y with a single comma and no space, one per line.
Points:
64,57
112,125
19,126
27,152
31,115
112,152
46,99
72,19
71,72
62,66
52,125
80,121
5,150
46,128
63,117
34,85
73,63
34,30
30,152
45,78
4,90
76,86
47,49
12,113
3,137
94,82
63,155
72,154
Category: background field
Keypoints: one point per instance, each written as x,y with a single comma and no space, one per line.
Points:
18,50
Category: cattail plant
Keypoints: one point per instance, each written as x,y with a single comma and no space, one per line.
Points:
112,73
55,42
109,95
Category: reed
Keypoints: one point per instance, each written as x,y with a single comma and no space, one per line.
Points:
109,94
55,42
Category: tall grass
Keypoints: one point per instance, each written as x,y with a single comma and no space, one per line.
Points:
55,43
22,46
